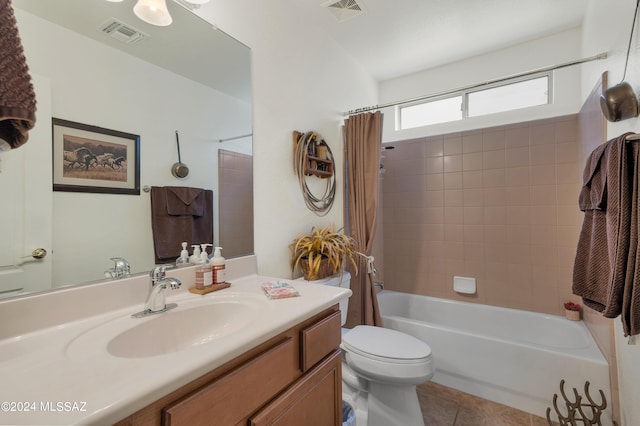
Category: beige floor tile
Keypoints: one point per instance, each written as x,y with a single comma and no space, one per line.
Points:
437,408
443,406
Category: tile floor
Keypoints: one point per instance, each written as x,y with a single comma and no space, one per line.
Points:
442,406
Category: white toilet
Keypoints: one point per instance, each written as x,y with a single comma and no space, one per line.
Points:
381,369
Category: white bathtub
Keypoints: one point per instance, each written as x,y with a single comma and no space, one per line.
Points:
513,357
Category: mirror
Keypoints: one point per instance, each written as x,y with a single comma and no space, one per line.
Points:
143,80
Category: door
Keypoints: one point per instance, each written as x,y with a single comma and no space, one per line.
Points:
26,215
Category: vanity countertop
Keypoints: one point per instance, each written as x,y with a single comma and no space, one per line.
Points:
66,374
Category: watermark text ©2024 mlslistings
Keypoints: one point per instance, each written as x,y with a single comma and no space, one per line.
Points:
43,406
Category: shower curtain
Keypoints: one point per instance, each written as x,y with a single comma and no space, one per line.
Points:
363,138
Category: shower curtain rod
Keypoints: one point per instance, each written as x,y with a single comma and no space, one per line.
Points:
235,137
478,85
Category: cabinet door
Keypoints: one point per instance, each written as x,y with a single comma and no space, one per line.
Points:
314,400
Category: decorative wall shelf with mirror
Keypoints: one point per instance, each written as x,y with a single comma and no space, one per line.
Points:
189,77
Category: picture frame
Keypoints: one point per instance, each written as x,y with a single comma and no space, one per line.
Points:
93,159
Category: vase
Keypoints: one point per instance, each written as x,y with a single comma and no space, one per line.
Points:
572,315
325,270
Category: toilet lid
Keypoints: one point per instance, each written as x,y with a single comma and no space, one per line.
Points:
385,343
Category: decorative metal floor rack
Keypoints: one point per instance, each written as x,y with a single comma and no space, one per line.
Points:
577,412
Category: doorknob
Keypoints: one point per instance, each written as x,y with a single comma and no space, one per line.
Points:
36,254
39,253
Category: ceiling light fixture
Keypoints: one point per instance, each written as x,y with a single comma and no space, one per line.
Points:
153,12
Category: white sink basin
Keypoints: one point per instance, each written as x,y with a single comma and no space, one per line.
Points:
190,324
178,329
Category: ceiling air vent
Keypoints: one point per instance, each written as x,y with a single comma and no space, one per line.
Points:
122,32
344,10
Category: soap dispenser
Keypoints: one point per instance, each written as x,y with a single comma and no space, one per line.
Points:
204,275
183,260
218,267
195,258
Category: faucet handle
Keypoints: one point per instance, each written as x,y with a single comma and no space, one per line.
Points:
157,273
121,267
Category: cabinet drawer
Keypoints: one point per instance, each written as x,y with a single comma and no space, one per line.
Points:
319,339
237,394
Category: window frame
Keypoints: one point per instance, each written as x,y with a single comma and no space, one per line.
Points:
464,94
510,82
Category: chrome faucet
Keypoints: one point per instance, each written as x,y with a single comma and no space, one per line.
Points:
156,300
121,269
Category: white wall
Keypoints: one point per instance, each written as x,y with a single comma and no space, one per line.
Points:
301,81
544,52
149,102
607,27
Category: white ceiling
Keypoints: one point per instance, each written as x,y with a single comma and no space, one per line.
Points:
211,56
392,38
399,37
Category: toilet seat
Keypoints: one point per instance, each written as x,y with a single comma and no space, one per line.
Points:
385,345
387,356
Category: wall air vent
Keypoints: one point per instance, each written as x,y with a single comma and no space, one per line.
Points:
122,32
344,10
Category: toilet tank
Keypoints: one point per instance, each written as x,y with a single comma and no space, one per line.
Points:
340,280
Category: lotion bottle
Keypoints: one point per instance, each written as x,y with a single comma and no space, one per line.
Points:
195,258
204,275
218,267
183,260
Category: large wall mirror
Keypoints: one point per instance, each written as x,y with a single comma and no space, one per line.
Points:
140,79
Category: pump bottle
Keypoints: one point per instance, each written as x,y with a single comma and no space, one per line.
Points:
183,260
195,258
218,266
204,275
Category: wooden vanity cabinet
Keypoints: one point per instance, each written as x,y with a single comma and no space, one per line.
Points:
293,378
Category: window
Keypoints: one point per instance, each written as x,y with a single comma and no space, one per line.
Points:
508,97
432,112
499,97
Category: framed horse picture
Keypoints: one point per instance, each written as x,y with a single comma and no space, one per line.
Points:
94,159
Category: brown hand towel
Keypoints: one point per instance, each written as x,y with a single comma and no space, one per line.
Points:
607,262
17,97
593,192
182,200
630,312
194,225
603,245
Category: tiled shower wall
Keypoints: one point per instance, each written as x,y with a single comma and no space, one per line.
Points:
497,204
